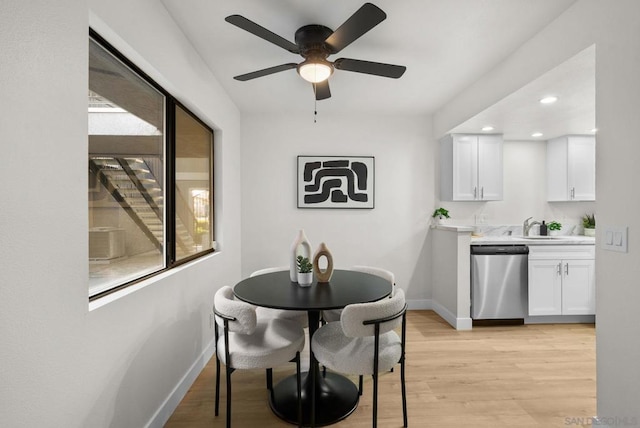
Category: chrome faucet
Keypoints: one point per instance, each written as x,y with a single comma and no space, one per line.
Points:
526,227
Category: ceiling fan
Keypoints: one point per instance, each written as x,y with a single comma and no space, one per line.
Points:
316,42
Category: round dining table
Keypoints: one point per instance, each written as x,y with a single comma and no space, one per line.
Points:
335,396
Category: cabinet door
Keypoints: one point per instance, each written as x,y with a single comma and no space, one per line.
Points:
581,168
557,185
490,168
571,168
545,287
465,167
578,287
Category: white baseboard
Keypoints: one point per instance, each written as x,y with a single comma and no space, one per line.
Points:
170,404
448,316
561,319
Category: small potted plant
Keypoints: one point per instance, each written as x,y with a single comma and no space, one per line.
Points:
554,228
440,215
589,224
305,271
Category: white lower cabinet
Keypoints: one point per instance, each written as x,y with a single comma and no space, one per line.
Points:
562,280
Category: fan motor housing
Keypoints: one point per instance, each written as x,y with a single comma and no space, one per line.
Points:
311,40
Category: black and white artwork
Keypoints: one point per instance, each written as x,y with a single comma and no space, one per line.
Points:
335,182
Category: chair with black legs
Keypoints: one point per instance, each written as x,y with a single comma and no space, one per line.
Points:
364,342
334,314
265,313
249,343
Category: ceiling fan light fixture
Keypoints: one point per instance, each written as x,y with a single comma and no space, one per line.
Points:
315,71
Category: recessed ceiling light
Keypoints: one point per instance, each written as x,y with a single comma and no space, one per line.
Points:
488,128
549,99
537,134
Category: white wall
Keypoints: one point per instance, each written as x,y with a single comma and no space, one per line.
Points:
63,365
451,282
393,235
524,193
614,28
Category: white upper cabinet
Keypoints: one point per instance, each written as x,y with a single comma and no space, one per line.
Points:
571,168
471,167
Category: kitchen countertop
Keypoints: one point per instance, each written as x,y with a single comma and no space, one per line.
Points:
516,239
533,240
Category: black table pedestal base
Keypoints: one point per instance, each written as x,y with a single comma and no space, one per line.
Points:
336,398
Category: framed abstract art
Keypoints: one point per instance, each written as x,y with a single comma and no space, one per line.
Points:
336,182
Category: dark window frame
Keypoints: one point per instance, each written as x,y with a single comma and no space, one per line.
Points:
170,169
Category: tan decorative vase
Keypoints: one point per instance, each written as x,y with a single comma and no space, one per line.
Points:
323,275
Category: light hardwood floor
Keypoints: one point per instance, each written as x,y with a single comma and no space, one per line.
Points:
498,376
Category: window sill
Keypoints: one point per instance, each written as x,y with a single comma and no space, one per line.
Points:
103,301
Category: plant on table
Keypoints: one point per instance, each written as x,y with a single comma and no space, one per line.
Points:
304,266
305,274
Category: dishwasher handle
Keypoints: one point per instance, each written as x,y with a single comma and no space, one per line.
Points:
499,249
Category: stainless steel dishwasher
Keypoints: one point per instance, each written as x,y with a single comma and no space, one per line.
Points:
499,281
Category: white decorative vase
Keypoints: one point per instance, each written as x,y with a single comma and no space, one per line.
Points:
305,279
553,232
589,232
300,247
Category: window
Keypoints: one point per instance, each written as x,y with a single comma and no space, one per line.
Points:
192,185
150,175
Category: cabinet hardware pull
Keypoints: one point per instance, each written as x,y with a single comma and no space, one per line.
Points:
566,269
559,271
573,193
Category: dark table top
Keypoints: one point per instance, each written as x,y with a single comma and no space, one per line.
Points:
275,290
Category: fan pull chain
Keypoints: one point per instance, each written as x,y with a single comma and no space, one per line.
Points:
315,103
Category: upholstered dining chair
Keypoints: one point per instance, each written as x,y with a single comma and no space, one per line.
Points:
249,343
267,313
334,314
364,342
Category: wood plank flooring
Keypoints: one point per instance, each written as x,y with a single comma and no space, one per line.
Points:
498,376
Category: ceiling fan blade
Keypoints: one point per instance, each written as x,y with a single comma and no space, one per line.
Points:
363,20
368,67
263,33
322,90
266,71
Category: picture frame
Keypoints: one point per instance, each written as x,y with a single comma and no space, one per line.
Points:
336,182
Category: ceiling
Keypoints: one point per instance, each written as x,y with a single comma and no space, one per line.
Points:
446,46
520,114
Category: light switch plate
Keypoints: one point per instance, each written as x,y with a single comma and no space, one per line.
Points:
614,238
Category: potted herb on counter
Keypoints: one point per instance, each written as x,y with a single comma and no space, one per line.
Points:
554,228
589,224
440,215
